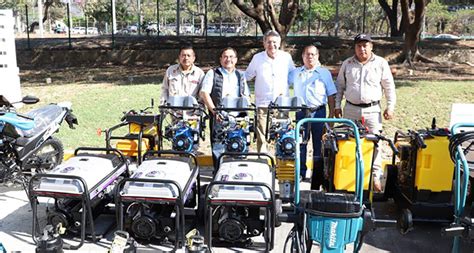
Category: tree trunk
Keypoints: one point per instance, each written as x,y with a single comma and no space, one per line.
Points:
392,15
265,14
413,31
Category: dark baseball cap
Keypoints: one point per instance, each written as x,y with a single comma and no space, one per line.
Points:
362,37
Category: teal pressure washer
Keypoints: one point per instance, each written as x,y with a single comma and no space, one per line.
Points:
461,147
332,220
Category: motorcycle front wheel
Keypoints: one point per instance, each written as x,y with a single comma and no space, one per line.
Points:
49,155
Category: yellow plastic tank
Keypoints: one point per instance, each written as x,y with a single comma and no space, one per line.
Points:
434,167
130,147
344,166
147,129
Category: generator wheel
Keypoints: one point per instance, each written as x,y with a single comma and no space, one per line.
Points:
405,221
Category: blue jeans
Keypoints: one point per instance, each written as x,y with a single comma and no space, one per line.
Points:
316,133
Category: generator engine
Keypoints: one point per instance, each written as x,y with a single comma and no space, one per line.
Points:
234,133
286,144
150,221
237,224
185,123
183,136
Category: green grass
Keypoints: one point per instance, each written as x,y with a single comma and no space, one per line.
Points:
102,105
418,102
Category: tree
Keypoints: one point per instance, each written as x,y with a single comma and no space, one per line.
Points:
413,25
264,12
438,15
101,11
322,11
392,15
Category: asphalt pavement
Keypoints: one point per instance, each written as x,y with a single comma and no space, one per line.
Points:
16,223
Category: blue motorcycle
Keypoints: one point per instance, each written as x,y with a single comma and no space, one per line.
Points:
27,144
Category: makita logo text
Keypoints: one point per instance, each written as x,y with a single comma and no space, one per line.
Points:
332,234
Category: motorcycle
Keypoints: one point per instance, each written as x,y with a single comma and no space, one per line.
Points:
27,144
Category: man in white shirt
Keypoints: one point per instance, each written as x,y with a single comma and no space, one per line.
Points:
224,81
362,80
183,79
270,69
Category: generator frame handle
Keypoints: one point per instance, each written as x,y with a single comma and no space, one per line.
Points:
85,202
178,202
107,150
252,154
160,153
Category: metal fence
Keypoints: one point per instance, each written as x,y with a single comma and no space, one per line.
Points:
173,18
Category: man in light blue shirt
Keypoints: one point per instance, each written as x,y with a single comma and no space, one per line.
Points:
315,86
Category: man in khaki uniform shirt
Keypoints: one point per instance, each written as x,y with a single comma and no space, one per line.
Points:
183,79
361,80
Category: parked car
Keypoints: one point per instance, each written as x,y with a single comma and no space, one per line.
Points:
151,28
92,30
78,30
445,36
60,29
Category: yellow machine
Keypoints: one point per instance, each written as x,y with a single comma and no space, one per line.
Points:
142,134
280,130
345,164
340,162
129,147
420,178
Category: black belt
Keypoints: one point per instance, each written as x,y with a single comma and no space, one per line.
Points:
313,109
364,105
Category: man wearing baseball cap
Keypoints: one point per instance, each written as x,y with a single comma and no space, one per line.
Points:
362,80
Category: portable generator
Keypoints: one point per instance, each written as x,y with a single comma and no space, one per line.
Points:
280,130
151,204
82,189
240,200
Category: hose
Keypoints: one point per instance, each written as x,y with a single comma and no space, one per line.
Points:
458,139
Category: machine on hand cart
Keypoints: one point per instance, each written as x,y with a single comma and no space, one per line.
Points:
240,200
280,129
330,219
461,147
82,189
152,203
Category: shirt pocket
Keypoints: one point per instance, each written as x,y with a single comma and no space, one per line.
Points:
173,88
319,87
374,76
352,76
